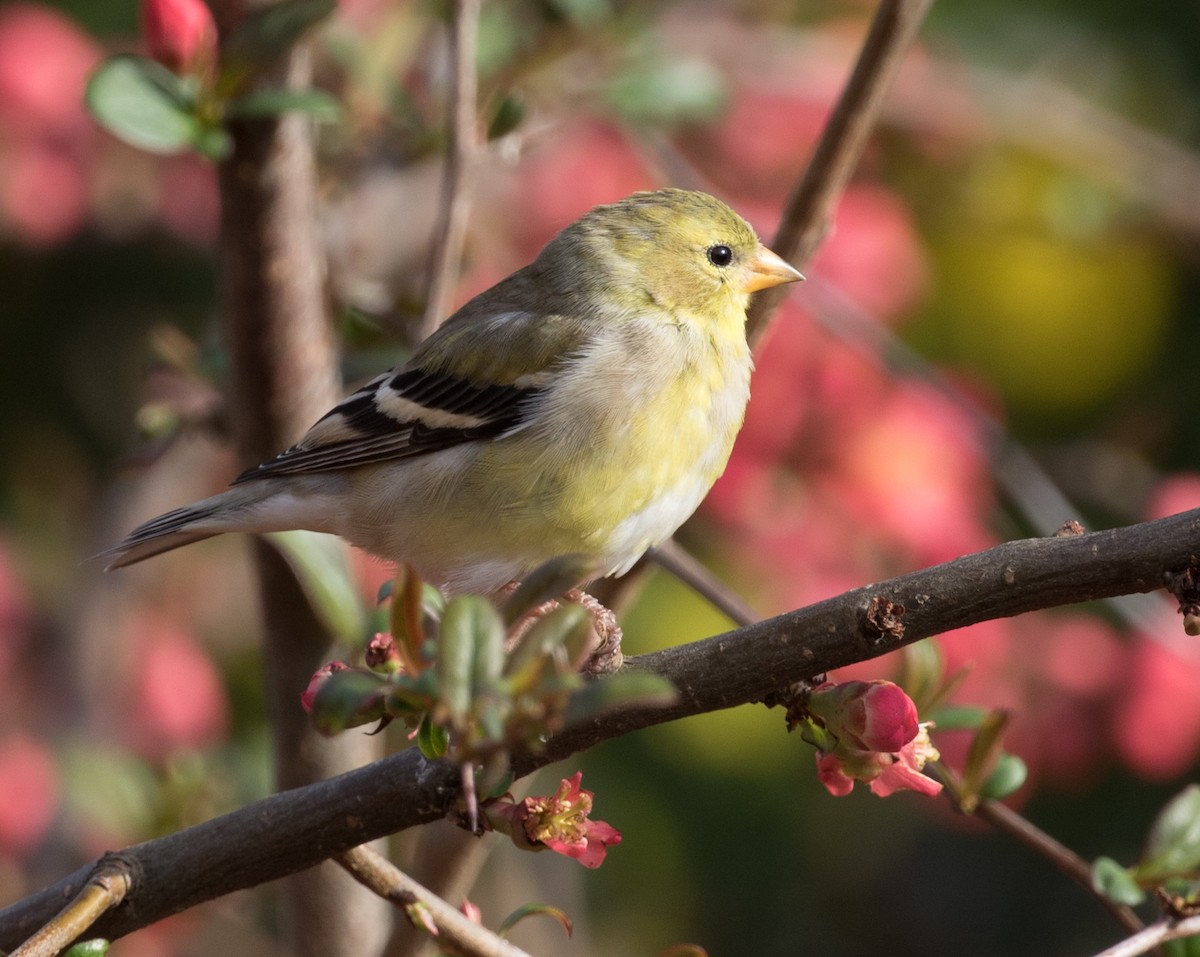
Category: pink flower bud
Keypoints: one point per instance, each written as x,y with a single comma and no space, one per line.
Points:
866,715
180,34
320,676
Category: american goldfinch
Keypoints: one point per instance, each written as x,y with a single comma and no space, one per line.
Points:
584,405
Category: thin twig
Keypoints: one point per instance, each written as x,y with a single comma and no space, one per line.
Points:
1005,819
374,871
107,887
1157,933
459,164
809,209
674,558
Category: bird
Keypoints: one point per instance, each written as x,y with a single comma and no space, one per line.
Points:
584,405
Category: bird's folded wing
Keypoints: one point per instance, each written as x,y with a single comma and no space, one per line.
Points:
402,414
423,407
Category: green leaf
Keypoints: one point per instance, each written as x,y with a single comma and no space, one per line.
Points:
506,117
407,625
958,718
432,739
269,32
144,104
549,580
984,751
633,689
97,947
316,103
468,620
540,643
322,567
668,91
534,910
348,699
923,664
1173,846
1115,882
1009,774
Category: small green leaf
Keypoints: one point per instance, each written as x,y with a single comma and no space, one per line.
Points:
541,642
322,567
469,620
661,90
348,699
534,910
549,580
432,739
97,947
632,689
506,117
270,31
143,103
1173,846
316,103
958,718
407,626
1115,882
984,750
1009,774
923,664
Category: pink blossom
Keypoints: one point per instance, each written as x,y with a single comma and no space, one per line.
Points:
29,783
320,676
559,822
866,715
1157,727
885,773
1174,494
177,699
180,34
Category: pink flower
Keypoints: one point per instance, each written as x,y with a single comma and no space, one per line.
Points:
559,822
29,784
885,773
180,34
178,700
320,676
866,715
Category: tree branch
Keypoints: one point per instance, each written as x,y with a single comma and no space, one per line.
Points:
381,876
458,166
294,830
810,208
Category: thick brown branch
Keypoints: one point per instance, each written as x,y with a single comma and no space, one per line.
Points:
291,831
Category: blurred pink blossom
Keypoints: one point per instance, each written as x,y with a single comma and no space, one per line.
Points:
589,162
29,785
1156,724
916,472
1174,494
46,139
177,700
873,253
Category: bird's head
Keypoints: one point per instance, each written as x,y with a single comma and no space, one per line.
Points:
673,249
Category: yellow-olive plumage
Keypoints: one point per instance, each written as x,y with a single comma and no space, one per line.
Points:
585,404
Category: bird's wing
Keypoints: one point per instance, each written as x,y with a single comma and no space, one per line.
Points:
421,407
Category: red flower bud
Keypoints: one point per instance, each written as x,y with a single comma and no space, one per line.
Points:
866,715
180,34
320,676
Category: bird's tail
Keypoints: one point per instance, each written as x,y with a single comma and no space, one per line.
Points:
228,511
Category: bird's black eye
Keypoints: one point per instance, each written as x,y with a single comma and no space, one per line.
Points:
720,255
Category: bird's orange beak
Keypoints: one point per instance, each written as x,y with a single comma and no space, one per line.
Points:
768,269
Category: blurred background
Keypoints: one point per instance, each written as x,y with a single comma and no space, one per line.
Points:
1006,310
